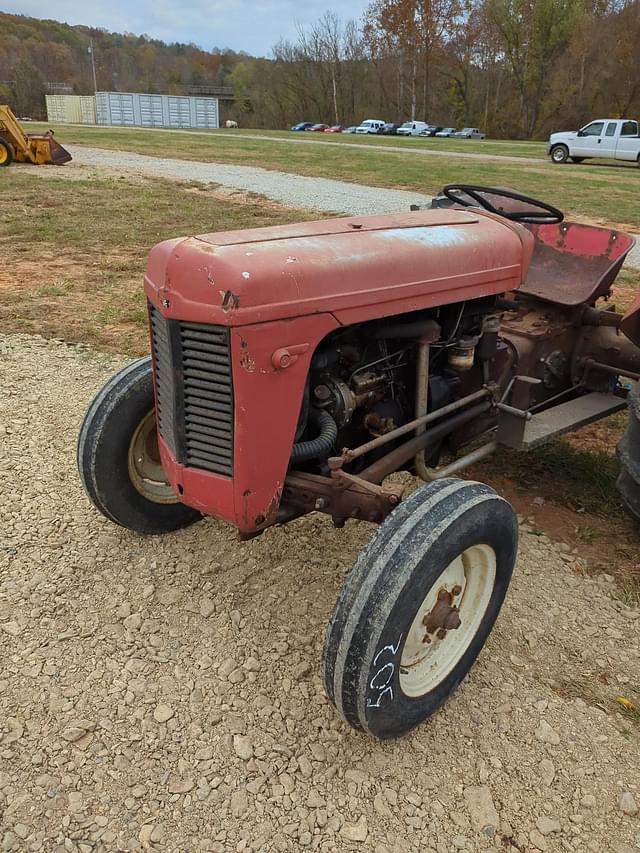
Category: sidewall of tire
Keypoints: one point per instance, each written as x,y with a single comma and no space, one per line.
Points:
103,453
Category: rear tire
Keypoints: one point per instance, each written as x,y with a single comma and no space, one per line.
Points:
448,550
118,460
6,153
577,159
559,154
628,483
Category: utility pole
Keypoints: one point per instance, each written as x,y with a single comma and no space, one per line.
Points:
93,65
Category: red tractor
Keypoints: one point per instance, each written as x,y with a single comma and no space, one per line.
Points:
294,368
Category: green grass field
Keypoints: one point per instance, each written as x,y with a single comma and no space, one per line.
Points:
602,194
501,147
74,248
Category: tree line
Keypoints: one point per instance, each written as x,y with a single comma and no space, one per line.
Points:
515,68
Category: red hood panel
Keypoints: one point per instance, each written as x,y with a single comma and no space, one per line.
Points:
355,268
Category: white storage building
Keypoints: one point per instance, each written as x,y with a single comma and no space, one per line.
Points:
133,109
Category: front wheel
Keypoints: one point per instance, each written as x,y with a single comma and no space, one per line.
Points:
118,457
559,154
418,606
6,153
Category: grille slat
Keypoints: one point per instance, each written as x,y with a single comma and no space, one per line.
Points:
212,374
197,421
194,392
201,448
216,393
197,350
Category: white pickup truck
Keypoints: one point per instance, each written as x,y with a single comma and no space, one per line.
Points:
605,138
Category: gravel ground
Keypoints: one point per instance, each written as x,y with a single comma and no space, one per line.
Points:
290,190
165,693
287,189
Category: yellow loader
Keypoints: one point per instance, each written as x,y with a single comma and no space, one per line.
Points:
37,148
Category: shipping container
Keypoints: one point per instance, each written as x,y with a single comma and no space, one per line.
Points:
133,109
71,109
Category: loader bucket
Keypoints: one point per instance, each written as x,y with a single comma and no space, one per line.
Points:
46,151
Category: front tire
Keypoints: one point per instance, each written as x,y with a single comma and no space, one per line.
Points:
418,606
559,154
6,153
118,457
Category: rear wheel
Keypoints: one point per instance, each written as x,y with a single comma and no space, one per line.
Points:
118,457
6,153
559,154
577,159
629,454
419,605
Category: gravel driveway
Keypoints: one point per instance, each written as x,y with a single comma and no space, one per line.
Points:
288,189
165,693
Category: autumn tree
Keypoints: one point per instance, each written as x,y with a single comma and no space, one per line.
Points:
418,31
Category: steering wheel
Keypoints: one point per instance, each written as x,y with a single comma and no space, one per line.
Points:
546,214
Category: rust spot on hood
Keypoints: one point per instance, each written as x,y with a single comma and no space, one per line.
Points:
246,361
230,300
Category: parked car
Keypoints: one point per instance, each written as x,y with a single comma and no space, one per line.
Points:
431,130
303,125
611,139
335,128
370,125
446,131
317,128
412,128
469,133
389,129
351,129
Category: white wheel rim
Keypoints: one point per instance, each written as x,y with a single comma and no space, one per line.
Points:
431,651
145,468
558,155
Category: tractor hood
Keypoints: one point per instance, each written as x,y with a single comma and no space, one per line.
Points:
355,268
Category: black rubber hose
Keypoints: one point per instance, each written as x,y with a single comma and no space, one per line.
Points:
320,446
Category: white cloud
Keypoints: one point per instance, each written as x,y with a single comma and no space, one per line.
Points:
250,25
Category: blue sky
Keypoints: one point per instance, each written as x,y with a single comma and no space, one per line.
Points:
250,25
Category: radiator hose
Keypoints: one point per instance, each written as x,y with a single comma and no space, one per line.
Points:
320,446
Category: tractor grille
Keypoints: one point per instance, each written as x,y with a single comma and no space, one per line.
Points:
194,392
208,397
165,393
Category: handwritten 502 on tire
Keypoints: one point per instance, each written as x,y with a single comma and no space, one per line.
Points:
418,606
118,457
